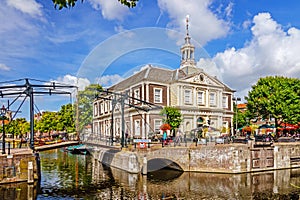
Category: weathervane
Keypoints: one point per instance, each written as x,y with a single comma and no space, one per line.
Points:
187,24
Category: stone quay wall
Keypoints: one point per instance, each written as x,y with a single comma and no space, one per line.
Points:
14,167
221,158
124,160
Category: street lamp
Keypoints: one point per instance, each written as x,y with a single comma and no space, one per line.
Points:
3,112
236,99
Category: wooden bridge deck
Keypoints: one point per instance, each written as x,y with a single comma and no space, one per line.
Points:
55,146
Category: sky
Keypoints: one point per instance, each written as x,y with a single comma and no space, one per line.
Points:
102,41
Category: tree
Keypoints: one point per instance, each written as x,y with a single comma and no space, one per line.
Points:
239,117
66,119
71,3
85,104
172,116
275,97
47,123
18,127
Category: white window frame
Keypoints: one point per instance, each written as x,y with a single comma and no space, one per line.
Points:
188,96
102,108
137,95
225,101
95,109
200,101
212,101
105,107
157,95
157,124
137,127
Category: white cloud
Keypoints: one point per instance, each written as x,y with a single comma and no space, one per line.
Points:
18,33
4,67
110,10
228,9
68,79
271,51
109,80
204,24
30,7
246,24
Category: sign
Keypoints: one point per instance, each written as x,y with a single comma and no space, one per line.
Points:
142,140
142,145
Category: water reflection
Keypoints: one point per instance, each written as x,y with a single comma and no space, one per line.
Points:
67,176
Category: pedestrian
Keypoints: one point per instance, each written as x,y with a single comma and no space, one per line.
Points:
164,137
178,137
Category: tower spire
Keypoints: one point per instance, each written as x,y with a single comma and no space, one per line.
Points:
187,49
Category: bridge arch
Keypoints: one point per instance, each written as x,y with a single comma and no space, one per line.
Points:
176,158
156,164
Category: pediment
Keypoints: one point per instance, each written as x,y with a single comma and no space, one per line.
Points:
203,79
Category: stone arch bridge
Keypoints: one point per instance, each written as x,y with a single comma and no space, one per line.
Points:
223,158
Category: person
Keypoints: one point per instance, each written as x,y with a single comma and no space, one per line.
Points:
178,137
164,137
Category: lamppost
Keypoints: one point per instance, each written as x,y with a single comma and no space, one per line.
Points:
3,112
236,99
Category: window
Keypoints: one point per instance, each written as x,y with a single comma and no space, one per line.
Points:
157,124
102,107
95,109
225,102
187,96
136,95
201,77
200,97
137,127
157,95
105,107
212,99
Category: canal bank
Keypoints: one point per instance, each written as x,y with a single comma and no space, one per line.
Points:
221,158
23,164
69,176
20,165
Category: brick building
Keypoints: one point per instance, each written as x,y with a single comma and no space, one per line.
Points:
201,98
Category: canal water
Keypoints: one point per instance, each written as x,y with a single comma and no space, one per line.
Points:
67,176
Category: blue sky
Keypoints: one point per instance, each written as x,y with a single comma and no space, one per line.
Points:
101,41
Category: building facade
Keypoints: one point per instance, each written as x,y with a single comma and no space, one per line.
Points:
201,99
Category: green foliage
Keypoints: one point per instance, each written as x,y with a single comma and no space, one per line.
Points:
63,120
17,127
60,4
47,123
276,97
240,117
85,104
172,116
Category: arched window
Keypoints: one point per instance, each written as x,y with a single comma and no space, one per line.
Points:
200,122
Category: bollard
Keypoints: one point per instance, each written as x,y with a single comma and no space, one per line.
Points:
148,144
8,148
30,173
144,172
